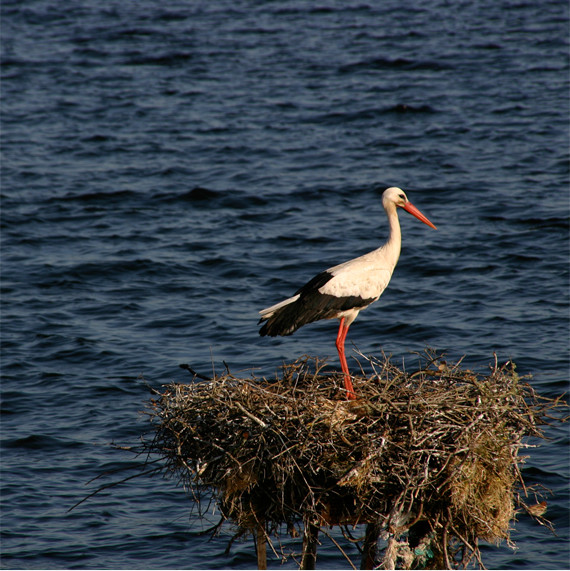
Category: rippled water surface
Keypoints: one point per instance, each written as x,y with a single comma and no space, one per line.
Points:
171,168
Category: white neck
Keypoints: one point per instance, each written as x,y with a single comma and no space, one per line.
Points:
391,249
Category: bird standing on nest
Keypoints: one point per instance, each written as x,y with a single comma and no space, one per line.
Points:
342,291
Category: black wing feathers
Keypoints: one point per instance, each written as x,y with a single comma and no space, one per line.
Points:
311,306
313,285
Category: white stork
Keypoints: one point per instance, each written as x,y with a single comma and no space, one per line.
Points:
342,291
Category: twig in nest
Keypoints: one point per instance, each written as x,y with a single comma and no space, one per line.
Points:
251,416
156,470
188,368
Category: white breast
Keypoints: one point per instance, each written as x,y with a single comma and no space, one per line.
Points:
364,277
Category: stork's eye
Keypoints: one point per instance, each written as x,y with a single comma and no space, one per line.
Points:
402,197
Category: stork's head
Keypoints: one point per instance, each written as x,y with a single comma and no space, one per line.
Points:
396,196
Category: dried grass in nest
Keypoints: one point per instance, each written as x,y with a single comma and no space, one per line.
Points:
433,452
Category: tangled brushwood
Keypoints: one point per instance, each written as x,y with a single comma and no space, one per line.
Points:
428,459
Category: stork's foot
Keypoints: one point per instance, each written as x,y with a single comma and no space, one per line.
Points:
350,394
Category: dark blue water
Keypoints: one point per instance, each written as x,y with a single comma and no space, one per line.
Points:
169,169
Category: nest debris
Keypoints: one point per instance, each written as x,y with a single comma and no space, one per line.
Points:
428,459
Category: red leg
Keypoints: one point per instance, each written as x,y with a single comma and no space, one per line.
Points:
340,338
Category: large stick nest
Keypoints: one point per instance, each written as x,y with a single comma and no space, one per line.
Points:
435,449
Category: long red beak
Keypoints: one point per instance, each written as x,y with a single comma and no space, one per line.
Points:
409,207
